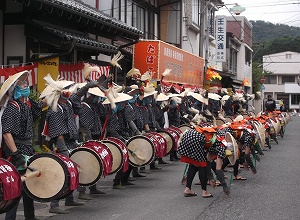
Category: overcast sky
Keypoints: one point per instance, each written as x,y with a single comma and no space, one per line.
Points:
275,11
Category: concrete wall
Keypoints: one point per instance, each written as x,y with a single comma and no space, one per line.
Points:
15,41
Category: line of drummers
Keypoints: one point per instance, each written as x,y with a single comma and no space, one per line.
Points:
92,133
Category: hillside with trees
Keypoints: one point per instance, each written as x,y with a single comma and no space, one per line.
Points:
269,38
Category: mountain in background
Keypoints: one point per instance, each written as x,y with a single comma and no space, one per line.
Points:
269,38
265,31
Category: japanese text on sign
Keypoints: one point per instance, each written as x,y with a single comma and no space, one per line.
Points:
151,58
221,39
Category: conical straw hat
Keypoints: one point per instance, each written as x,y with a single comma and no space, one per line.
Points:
11,82
121,98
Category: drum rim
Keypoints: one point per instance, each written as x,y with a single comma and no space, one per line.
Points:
63,193
101,165
172,138
153,152
187,125
116,139
112,142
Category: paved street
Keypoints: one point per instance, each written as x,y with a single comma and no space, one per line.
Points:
272,193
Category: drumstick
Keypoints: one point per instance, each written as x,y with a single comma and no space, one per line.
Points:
134,154
30,175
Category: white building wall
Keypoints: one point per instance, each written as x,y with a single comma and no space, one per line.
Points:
281,64
240,63
192,44
189,36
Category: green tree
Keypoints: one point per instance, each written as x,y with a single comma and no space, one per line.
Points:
257,74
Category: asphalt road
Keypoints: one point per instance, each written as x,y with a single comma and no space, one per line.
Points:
272,193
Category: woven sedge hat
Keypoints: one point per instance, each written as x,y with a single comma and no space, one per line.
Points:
146,94
199,97
239,118
161,97
121,97
214,96
96,91
10,84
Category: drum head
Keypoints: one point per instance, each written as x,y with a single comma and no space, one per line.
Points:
43,188
228,119
277,128
233,147
261,134
141,150
117,155
90,165
220,122
185,127
169,139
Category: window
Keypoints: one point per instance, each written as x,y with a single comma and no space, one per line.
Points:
248,56
295,99
132,14
12,60
129,12
196,12
233,61
287,79
288,56
271,80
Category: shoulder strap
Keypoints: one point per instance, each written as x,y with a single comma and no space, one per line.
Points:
13,102
84,103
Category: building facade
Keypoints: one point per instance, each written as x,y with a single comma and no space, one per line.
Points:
282,83
94,30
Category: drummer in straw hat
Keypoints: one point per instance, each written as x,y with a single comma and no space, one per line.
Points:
60,121
18,113
90,115
150,112
117,127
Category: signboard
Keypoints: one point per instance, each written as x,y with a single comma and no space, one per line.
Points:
220,38
45,67
155,56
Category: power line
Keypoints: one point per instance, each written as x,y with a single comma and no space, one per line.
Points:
268,5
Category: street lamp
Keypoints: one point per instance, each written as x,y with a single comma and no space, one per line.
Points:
237,9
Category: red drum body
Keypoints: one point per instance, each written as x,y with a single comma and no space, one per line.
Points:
141,150
171,136
159,143
175,132
120,154
176,129
10,187
94,160
58,178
